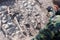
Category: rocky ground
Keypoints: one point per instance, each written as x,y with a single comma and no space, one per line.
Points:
22,19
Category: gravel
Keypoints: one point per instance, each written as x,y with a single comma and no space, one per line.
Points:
22,19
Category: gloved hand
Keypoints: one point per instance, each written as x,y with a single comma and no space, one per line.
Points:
49,8
51,11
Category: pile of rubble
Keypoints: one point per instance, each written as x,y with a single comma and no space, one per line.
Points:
22,19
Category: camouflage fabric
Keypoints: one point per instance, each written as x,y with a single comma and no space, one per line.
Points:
52,30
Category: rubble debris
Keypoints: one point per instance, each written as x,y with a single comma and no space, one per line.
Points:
22,19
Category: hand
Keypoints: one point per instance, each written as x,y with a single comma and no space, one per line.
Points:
49,8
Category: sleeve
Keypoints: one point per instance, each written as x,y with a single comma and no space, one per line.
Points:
45,34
